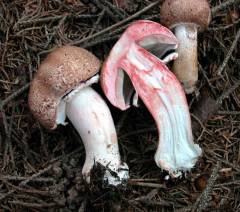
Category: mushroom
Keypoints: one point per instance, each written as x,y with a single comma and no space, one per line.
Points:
136,63
186,18
60,88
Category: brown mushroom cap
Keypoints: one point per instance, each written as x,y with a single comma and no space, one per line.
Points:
175,12
62,70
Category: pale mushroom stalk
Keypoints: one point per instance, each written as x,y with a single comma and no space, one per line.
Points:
159,89
60,88
92,119
186,18
186,66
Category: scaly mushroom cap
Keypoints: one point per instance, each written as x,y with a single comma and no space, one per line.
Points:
63,70
175,12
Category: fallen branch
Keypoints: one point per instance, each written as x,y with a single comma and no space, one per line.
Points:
23,183
204,198
114,14
52,18
229,54
208,106
14,95
34,205
224,6
137,14
149,185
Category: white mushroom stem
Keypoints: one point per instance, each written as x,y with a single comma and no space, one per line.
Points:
186,66
165,99
176,151
92,119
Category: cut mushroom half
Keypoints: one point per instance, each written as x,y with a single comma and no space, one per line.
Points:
137,63
60,89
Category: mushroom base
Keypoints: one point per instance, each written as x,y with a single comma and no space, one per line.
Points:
176,151
92,119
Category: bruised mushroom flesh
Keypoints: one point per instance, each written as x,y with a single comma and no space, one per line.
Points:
141,54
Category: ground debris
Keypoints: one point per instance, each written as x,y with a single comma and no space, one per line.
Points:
41,170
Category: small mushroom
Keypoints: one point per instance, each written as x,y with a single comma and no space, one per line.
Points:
186,18
60,88
136,63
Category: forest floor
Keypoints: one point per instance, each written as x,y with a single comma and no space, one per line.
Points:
41,170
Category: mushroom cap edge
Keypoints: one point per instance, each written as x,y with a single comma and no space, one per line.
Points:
61,71
175,12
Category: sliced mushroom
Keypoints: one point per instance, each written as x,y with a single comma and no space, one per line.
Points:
141,53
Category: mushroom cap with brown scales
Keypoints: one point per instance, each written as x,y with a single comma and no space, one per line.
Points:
175,12
63,70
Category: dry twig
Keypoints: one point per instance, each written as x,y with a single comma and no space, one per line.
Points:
14,95
224,6
233,46
204,198
114,26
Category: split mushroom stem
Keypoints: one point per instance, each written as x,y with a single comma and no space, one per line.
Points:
91,117
163,96
159,89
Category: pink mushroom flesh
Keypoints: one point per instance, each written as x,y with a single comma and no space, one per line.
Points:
137,63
